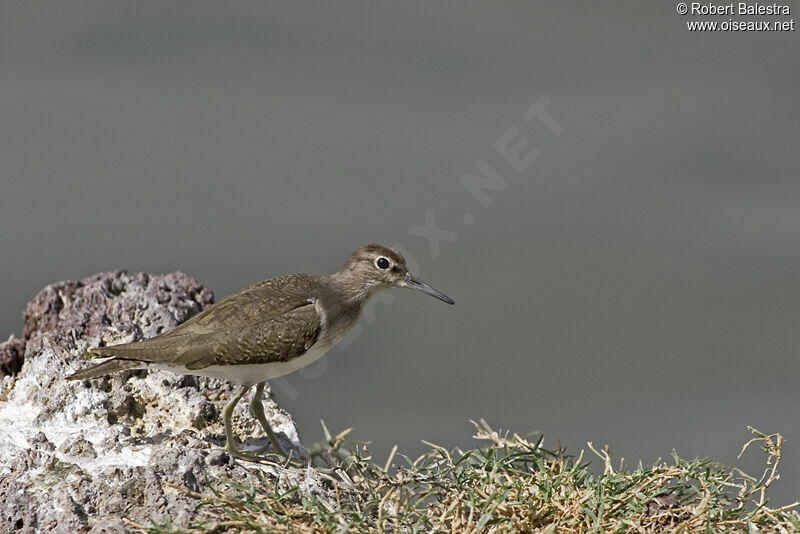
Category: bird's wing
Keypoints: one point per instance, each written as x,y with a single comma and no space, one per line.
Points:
256,304
239,318
280,339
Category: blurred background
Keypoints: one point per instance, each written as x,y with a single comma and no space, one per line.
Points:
636,285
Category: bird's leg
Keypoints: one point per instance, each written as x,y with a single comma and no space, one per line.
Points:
258,411
227,416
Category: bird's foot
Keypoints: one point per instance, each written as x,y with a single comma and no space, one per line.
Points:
281,456
247,456
275,445
263,454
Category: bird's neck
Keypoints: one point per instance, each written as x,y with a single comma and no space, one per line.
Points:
342,302
352,288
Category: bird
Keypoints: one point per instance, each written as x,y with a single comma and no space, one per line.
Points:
266,330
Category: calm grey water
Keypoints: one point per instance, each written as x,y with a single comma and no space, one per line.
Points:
636,284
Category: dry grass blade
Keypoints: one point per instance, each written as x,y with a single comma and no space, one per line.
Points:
510,485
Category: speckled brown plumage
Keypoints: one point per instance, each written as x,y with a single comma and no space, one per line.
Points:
271,321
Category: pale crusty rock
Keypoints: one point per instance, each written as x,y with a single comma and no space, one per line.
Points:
87,456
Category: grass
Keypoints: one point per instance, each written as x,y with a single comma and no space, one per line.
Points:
509,484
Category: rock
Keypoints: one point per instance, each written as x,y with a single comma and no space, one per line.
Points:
79,447
89,456
11,353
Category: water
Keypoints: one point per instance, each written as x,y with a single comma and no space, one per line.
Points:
635,284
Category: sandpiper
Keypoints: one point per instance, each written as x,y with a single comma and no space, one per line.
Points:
266,330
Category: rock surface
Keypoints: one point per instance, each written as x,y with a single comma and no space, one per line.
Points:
11,354
87,456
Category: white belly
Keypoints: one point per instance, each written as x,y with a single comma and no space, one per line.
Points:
253,373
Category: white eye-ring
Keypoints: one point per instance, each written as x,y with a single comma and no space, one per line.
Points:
382,263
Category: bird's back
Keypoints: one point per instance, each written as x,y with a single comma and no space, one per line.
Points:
271,321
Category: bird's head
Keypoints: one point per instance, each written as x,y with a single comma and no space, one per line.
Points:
378,267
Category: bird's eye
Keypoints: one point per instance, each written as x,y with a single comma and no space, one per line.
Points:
382,263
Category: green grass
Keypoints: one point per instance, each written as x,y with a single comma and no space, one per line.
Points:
510,484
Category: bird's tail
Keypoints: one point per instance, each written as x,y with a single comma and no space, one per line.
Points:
109,366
